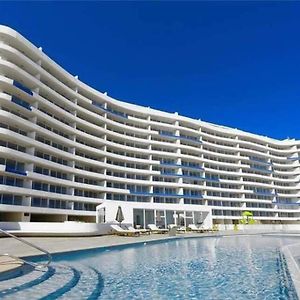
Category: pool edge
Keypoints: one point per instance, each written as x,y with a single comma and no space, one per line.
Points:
292,265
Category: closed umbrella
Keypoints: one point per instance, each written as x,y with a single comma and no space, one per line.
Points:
199,220
119,216
158,216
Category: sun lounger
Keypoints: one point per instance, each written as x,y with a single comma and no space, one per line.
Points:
194,228
181,229
142,231
120,231
172,226
153,228
178,229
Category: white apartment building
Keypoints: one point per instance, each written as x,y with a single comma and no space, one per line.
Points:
66,149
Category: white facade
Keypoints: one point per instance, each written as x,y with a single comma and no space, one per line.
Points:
66,148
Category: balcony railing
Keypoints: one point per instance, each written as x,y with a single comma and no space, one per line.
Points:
294,158
182,175
165,134
21,102
192,167
22,87
264,193
111,111
182,166
261,170
156,194
260,161
285,203
199,196
190,176
16,171
170,164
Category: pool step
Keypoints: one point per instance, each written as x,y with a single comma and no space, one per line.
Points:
16,272
89,286
58,282
20,283
61,279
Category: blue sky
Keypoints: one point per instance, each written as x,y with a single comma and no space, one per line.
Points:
230,63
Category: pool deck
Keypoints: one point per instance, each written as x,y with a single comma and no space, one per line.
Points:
9,264
65,244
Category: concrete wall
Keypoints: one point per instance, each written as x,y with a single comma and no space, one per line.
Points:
55,229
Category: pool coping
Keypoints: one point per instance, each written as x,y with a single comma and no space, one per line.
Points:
289,252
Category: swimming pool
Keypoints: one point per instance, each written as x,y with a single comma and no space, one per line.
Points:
239,267
207,268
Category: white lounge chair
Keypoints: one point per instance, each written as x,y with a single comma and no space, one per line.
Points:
180,229
155,229
141,230
172,226
120,231
194,228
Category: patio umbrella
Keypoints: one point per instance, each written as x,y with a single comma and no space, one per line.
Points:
119,216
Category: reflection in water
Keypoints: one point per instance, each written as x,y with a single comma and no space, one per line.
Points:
207,268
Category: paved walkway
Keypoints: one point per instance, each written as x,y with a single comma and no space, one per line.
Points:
64,244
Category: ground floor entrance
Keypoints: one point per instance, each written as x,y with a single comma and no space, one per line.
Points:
163,218
140,215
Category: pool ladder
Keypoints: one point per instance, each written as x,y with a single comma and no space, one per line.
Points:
35,265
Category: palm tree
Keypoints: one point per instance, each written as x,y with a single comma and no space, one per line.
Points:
247,214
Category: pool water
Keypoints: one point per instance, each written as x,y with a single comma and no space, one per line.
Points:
240,267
